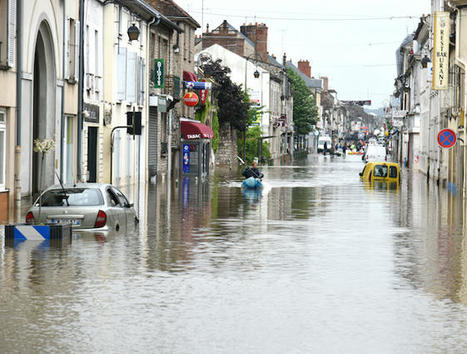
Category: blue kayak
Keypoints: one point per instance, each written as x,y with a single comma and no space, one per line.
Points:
252,183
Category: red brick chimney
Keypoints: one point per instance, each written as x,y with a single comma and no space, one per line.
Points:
258,34
325,83
304,67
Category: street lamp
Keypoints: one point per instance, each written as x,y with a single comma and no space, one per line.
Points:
133,32
425,60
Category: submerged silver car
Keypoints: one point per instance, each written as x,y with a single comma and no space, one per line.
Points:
87,206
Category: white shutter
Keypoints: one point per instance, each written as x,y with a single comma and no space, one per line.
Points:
121,74
11,32
131,78
66,33
76,44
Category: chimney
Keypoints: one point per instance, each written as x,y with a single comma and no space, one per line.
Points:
304,67
325,83
284,59
258,34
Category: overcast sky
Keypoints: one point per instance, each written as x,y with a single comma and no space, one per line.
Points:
337,37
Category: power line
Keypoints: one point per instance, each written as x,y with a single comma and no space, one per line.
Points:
314,19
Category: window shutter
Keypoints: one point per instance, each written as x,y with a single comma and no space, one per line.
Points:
121,74
131,78
11,32
76,59
67,49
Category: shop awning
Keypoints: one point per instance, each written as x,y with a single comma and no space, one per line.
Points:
188,76
192,129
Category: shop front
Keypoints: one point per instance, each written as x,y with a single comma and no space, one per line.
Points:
196,148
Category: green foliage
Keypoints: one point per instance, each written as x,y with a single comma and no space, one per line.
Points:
305,112
215,129
202,112
232,107
252,136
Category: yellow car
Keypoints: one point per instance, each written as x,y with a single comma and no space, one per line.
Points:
381,171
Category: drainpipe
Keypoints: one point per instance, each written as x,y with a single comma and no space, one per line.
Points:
62,123
461,62
80,88
19,104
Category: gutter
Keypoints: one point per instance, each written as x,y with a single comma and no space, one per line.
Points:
62,123
19,105
80,89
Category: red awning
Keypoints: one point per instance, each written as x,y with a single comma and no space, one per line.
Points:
188,76
192,129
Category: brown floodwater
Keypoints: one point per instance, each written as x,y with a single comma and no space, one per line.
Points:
316,262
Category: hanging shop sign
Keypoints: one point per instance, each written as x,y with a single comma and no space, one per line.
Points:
190,99
92,113
441,50
158,73
198,85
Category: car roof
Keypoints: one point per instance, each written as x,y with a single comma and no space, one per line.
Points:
80,185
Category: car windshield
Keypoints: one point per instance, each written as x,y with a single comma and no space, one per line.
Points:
75,196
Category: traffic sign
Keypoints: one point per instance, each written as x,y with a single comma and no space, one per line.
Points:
447,138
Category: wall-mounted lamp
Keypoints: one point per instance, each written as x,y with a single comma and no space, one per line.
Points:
176,48
425,60
133,32
256,74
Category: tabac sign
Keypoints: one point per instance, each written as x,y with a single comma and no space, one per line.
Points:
441,50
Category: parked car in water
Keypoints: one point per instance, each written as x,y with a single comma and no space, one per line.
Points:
381,171
86,206
322,140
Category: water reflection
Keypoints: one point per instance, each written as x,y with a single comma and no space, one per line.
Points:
316,255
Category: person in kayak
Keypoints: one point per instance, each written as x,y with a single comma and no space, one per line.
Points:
252,171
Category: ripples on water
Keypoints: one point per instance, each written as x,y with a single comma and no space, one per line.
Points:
318,262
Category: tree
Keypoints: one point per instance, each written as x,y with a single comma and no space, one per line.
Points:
232,107
305,112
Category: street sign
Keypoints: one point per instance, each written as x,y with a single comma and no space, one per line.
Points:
447,138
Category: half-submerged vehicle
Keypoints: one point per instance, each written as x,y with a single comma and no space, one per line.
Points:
381,171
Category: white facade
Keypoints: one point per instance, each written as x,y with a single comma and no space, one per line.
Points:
125,90
259,89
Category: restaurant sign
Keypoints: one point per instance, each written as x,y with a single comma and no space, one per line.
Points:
441,50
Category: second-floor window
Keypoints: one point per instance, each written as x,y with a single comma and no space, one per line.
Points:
7,33
72,52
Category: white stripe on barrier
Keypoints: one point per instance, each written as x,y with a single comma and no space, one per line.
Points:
30,233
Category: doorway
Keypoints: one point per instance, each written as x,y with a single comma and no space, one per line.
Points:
92,154
44,109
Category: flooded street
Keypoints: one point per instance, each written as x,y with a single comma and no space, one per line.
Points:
317,262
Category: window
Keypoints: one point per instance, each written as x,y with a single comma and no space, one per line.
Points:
112,197
7,33
74,196
2,148
72,52
381,171
393,172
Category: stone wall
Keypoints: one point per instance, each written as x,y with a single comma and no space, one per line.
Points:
226,155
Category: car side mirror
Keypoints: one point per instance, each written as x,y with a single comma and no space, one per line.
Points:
361,174
129,205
